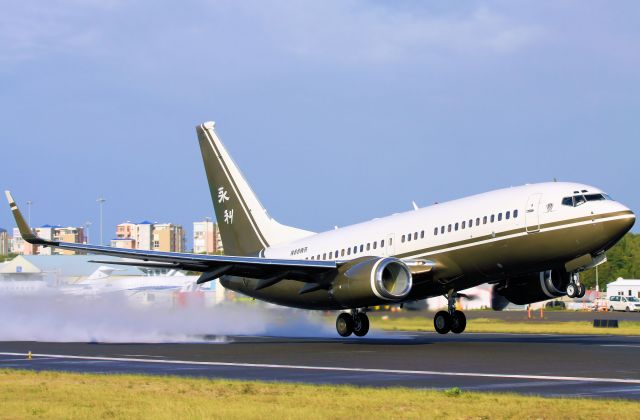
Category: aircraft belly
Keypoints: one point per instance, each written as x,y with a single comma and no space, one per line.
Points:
283,293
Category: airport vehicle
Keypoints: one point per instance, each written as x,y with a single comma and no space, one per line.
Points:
530,242
624,303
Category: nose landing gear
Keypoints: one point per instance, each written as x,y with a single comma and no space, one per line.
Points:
356,322
452,319
575,289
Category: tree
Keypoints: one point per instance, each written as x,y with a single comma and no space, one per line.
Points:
623,260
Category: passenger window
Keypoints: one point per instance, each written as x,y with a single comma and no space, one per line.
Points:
477,221
456,226
343,252
375,244
421,234
408,237
368,246
507,215
402,239
499,217
324,256
484,220
355,249
515,214
493,217
470,222
449,228
435,231
312,257
331,255
463,223
349,251
361,248
415,236
442,229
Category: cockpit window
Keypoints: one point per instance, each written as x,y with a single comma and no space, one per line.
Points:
594,197
579,199
567,201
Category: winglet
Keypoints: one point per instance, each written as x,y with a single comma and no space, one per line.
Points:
25,231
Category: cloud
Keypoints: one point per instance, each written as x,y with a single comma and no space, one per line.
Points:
358,31
331,31
29,30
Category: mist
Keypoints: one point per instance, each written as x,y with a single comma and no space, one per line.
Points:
115,318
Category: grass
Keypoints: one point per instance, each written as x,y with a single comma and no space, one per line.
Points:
26,394
499,326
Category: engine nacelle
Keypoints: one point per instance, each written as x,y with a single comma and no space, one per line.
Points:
531,288
372,281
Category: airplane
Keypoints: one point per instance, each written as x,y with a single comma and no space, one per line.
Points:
530,242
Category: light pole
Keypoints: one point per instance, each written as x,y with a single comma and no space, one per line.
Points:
29,203
100,202
207,221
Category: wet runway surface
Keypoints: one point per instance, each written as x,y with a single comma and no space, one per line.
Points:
551,365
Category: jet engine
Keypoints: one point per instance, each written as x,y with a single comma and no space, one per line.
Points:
530,288
372,281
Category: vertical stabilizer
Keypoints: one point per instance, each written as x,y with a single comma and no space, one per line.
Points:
245,226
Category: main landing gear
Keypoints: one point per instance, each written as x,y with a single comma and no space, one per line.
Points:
451,319
575,289
356,322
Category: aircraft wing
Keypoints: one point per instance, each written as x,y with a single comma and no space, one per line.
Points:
212,266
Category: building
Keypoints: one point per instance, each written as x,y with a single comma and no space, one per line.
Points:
624,287
137,235
20,246
143,235
168,237
49,232
4,242
68,234
206,238
128,243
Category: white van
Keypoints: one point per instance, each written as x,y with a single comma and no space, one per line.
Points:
624,303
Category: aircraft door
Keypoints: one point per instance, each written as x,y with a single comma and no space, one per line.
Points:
531,214
390,245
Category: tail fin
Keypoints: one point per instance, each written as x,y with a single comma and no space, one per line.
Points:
245,226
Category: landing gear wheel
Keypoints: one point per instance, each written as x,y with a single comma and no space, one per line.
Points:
458,322
442,322
360,324
572,290
582,290
344,324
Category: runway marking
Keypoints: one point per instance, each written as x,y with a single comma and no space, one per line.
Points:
620,345
335,369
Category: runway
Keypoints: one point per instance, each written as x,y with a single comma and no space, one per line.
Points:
551,365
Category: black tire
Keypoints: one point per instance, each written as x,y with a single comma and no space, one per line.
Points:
344,324
361,324
582,290
442,322
611,309
572,290
626,309
459,322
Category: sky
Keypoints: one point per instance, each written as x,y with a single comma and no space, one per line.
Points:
337,111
